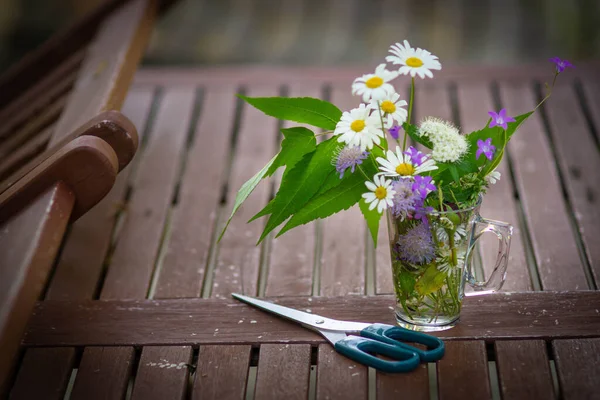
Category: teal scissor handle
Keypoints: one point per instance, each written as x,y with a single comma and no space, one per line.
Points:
359,348
394,335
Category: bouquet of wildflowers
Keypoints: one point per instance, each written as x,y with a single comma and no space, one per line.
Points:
366,157
422,174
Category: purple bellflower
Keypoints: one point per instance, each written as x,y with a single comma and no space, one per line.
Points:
395,131
561,65
500,119
485,147
416,157
423,185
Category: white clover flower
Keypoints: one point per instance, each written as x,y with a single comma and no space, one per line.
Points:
358,128
401,164
374,86
448,144
391,109
414,61
380,194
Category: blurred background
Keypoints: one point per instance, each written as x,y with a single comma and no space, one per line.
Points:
333,32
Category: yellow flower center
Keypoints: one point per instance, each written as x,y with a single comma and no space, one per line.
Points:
374,82
380,193
405,169
388,107
358,125
414,62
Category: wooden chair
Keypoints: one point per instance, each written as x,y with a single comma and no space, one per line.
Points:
62,143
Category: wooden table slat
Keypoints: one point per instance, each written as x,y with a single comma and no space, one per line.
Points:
132,263
103,373
554,246
239,258
578,367
411,385
222,372
524,369
533,315
283,372
499,202
44,373
340,377
163,373
193,221
463,372
579,161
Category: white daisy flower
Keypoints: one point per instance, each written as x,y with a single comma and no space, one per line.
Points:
374,86
459,234
391,109
443,262
401,164
493,177
358,128
448,144
380,195
414,61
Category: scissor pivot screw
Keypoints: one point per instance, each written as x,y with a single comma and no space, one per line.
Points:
319,321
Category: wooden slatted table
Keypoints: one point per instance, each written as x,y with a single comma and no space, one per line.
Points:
139,300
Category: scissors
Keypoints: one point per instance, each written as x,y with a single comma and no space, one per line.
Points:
359,341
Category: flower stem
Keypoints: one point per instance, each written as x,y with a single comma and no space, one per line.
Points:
363,172
410,107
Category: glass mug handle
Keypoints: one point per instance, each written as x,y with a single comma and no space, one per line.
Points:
504,232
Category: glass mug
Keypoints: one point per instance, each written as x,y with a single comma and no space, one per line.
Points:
432,261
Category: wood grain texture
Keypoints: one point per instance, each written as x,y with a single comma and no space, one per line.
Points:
33,126
37,105
463,372
475,100
411,385
24,153
64,74
87,165
193,321
343,254
29,242
283,372
163,373
239,258
578,366
106,72
524,369
81,261
44,373
339,377
193,220
222,372
579,161
103,373
552,238
132,263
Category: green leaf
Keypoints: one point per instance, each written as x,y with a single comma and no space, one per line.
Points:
454,173
431,281
340,197
407,282
245,191
372,217
305,110
413,132
300,183
296,143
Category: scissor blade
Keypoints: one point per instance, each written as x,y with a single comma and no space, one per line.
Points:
313,321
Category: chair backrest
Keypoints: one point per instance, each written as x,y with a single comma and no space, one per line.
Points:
61,146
